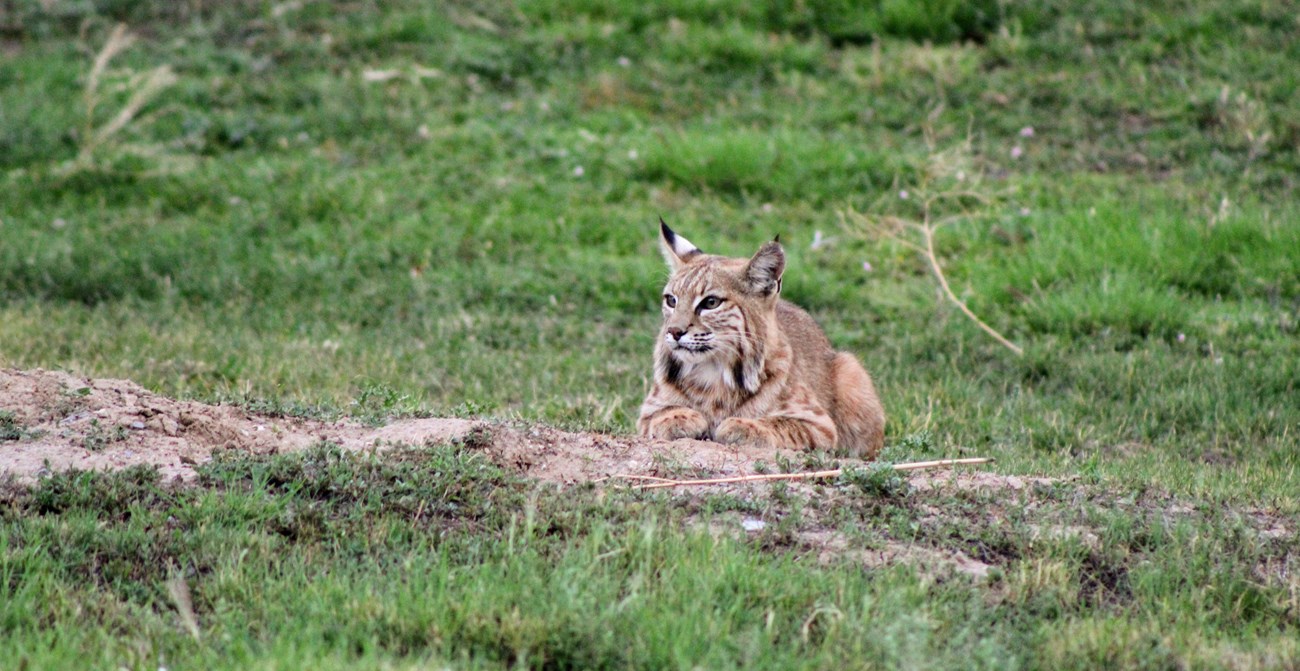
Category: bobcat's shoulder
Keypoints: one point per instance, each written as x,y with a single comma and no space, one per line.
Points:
736,363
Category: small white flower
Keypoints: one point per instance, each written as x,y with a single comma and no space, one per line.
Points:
59,223
1027,131
767,207
423,132
904,195
1017,152
632,154
1024,212
624,61
819,241
579,172
866,266
1182,337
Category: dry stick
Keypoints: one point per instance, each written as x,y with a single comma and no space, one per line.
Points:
764,477
933,259
927,227
631,476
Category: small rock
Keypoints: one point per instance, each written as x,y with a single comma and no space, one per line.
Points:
74,417
752,524
165,424
138,426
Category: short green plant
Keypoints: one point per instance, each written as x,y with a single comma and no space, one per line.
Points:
878,480
100,436
11,429
377,403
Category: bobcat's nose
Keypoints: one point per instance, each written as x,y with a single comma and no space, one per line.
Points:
676,333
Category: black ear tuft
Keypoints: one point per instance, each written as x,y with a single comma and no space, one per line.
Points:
777,238
677,250
669,235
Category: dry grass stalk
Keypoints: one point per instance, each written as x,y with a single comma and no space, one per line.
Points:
179,591
660,483
143,87
948,186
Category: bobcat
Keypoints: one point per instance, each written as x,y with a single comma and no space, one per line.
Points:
736,363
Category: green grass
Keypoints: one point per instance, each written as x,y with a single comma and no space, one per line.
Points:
470,230
434,555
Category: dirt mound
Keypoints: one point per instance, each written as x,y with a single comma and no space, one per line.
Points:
55,421
51,421
59,421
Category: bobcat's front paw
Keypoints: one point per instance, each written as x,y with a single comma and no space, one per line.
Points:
743,431
674,423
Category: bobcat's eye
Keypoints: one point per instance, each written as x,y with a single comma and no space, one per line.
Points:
670,300
709,303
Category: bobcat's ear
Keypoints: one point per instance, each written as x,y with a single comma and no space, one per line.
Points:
678,251
763,274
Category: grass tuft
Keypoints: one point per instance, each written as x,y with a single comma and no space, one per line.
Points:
99,141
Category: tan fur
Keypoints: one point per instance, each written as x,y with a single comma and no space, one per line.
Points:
755,369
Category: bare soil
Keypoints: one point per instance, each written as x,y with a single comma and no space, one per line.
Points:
54,421
71,422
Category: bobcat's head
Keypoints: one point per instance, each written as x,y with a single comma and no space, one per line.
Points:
716,314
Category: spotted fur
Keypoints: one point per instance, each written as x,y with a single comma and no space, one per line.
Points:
737,364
